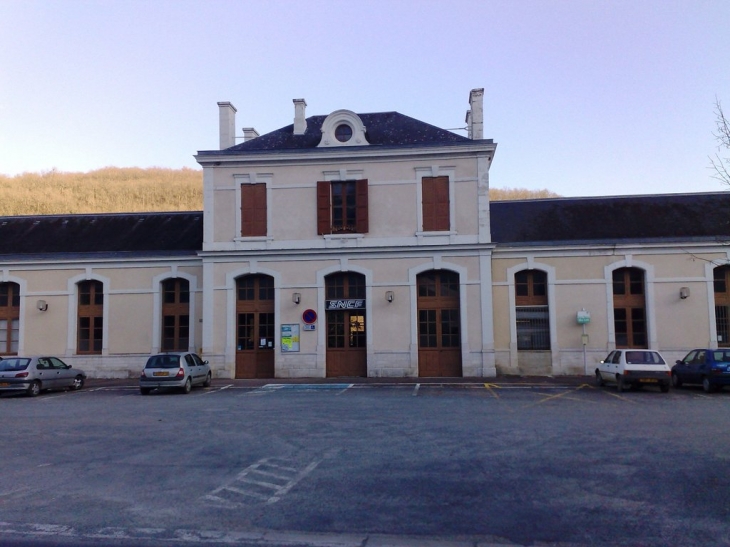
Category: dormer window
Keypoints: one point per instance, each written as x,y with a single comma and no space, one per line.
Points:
343,128
343,133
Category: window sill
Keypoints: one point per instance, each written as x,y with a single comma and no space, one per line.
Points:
252,238
343,236
436,234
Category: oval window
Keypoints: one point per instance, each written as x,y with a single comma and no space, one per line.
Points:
343,132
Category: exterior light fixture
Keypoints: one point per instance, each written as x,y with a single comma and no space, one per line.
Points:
389,296
42,305
296,298
684,293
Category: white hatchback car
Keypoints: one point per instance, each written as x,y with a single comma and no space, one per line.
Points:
635,368
181,370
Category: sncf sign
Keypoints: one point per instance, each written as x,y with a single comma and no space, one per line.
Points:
346,304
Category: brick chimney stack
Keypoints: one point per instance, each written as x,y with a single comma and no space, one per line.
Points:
300,119
227,124
475,114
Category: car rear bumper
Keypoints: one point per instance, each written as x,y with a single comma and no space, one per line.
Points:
152,383
648,377
13,384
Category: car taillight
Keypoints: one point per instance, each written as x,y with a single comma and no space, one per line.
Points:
22,374
143,375
180,373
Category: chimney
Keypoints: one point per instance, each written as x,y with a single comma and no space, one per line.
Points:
468,123
227,124
300,120
249,133
475,116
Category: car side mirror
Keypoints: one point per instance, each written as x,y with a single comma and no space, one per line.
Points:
205,362
678,362
602,361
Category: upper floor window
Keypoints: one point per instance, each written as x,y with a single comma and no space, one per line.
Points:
90,317
342,206
253,210
435,201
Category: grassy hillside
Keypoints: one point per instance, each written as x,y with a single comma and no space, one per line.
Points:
128,190
108,190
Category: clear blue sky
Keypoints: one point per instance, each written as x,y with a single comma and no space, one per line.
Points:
583,97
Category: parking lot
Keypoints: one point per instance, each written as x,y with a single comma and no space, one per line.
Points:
508,462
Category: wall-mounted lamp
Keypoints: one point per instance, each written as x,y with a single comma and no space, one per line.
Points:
296,298
684,293
42,305
389,296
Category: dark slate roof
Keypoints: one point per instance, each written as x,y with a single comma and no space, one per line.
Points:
172,233
615,219
382,129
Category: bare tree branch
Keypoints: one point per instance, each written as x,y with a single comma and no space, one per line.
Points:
719,164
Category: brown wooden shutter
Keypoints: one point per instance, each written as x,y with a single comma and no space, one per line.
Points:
435,200
253,209
361,200
324,223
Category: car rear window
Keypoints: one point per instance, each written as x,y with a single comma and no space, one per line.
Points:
11,364
644,358
163,361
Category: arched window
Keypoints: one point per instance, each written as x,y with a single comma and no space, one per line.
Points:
90,317
175,315
531,310
721,276
9,318
629,308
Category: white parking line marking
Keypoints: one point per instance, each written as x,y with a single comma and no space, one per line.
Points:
251,482
415,390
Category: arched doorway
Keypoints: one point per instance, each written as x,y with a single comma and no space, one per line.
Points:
255,326
345,315
629,308
439,324
721,283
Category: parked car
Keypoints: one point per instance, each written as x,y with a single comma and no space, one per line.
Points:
635,368
181,370
34,374
709,367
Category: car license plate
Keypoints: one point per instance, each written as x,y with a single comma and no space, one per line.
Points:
4,384
648,380
160,374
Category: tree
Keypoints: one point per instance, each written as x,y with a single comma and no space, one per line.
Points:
721,165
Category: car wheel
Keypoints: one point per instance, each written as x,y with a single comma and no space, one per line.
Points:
620,383
78,383
207,381
706,385
599,379
188,385
676,382
145,390
34,389
664,387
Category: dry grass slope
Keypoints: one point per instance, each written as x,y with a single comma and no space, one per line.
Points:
130,190
108,190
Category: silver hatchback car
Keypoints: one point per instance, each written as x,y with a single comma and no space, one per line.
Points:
34,374
181,370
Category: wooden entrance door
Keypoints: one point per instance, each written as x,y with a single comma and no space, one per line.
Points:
439,324
255,327
346,335
629,308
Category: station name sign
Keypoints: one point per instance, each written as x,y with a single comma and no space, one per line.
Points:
346,304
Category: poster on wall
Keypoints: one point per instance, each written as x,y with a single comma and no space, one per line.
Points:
290,338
